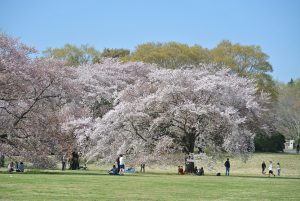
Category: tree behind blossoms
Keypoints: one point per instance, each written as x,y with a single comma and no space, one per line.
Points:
32,93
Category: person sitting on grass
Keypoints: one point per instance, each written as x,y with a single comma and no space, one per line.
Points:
113,171
195,170
10,167
180,170
201,171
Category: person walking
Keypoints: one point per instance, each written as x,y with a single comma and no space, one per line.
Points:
271,169
263,167
227,166
278,169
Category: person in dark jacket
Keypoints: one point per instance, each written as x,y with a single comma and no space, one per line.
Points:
263,167
227,166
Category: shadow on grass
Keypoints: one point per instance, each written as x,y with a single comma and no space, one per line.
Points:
64,173
49,172
264,177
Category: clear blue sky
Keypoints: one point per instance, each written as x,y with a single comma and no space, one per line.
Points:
272,24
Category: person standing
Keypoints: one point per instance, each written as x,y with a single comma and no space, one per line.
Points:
17,166
118,163
10,167
298,148
271,169
263,167
21,167
227,166
143,167
122,165
278,169
63,162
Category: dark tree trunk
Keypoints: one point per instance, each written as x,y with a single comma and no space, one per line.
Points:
74,162
2,160
189,167
189,140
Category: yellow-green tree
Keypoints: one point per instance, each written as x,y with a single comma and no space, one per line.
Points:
247,61
170,55
73,55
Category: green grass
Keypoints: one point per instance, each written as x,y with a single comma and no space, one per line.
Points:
158,184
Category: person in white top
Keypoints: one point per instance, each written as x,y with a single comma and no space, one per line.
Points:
122,165
271,169
278,169
10,167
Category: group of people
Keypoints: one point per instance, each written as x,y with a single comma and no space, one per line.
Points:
263,167
120,168
196,171
18,167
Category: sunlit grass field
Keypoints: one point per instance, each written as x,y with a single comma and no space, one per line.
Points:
245,183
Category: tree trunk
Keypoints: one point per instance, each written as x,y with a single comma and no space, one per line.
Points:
74,163
2,160
189,167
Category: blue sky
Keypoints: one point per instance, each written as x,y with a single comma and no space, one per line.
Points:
272,24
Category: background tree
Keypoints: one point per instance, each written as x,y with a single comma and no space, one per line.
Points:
247,61
170,55
272,143
115,52
73,55
288,109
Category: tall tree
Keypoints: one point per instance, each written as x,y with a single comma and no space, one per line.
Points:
247,61
288,110
73,55
166,111
32,91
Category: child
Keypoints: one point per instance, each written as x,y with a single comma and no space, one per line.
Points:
278,169
271,169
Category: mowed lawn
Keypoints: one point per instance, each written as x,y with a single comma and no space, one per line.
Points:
155,185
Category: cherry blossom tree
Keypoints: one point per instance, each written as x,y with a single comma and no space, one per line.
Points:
97,86
132,108
32,92
183,110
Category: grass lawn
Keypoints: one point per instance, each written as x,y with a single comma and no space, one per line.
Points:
156,185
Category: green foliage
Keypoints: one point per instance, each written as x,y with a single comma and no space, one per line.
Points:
247,61
244,60
100,108
115,53
288,109
170,55
273,143
73,55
